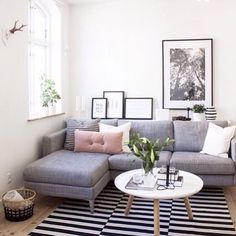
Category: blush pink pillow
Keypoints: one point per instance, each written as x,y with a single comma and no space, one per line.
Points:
87,141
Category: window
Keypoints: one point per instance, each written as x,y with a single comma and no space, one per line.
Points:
44,55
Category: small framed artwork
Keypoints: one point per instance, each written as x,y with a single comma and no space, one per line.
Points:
115,103
139,108
187,73
99,108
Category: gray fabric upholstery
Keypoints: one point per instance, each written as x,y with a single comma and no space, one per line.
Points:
112,122
68,168
68,191
54,142
233,149
217,180
115,173
81,124
152,130
65,173
190,136
198,163
128,161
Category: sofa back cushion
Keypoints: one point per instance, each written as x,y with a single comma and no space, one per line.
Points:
190,135
104,142
112,122
152,130
82,124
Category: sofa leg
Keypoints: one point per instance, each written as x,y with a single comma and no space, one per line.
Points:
91,206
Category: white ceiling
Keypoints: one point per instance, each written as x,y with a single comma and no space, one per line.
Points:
82,1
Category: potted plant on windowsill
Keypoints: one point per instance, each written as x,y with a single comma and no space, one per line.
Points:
49,94
198,112
147,150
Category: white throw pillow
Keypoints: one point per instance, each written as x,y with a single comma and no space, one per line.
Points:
125,128
217,140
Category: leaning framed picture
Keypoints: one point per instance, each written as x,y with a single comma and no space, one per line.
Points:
99,108
139,108
115,103
187,72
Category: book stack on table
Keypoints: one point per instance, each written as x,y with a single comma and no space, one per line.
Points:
141,186
174,178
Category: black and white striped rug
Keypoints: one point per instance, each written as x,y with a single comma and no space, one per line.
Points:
72,217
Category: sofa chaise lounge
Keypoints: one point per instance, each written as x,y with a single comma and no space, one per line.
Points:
82,175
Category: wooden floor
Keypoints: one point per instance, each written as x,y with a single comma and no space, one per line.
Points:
45,205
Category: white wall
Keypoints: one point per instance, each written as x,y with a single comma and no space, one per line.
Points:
19,138
117,46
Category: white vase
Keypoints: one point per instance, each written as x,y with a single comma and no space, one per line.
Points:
46,111
52,110
149,179
198,116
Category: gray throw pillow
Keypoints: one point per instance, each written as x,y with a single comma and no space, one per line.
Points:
81,124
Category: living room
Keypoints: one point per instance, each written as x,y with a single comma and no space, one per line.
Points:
106,45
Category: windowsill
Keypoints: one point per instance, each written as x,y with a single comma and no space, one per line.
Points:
44,117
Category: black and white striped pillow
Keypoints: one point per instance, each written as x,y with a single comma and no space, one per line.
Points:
72,124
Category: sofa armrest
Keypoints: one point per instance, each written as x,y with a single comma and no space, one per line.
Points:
53,142
233,149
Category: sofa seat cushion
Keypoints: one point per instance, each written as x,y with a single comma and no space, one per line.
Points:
68,168
198,163
128,161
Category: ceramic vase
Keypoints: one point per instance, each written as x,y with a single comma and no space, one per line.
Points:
198,116
210,113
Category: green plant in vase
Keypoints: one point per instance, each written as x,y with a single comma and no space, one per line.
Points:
49,95
198,108
147,150
198,112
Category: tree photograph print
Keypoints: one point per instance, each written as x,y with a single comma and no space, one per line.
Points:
187,73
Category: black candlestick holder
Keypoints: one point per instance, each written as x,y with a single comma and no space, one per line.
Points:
188,109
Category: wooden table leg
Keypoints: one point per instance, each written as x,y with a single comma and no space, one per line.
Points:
188,207
129,204
156,218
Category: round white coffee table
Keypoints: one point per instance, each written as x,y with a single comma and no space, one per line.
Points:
191,184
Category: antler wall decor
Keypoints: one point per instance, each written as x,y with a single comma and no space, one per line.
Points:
14,29
6,34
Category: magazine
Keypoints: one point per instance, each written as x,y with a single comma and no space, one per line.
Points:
142,186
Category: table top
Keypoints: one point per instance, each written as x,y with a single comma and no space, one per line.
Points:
192,184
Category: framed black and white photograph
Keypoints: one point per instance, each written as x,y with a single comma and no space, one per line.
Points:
99,108
187,73
115,103
139,108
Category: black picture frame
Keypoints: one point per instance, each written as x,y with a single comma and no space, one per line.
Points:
99,108
139,108
195,79
115,104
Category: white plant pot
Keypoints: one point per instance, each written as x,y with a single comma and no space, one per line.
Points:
46,111
52,110
199,117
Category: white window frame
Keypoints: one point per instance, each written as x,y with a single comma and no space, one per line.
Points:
35,110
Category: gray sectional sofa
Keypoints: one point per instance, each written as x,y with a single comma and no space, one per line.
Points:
83,175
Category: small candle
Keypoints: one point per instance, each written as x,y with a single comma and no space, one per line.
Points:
77,103
83,102
188,103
